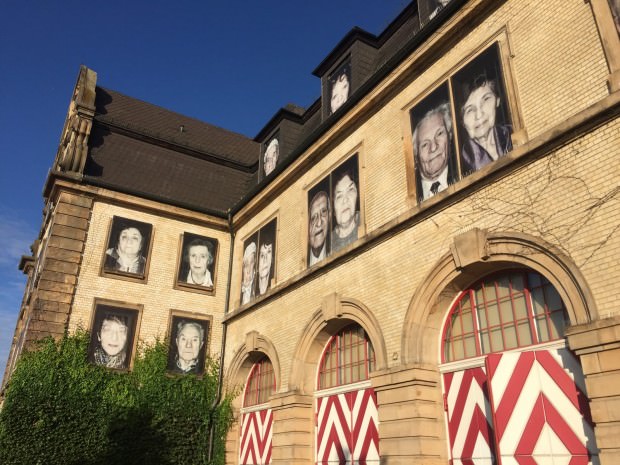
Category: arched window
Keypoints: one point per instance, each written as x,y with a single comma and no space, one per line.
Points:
348,358
261,383
503,311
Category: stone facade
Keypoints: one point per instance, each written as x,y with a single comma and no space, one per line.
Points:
550,205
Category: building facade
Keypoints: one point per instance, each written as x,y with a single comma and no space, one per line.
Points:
418,268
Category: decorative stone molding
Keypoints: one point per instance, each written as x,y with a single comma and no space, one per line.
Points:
410,411
598,346
251,351
459,268
71,156
335,313
469,247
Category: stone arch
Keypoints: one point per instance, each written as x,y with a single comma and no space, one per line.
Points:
472,255
251,351
335,313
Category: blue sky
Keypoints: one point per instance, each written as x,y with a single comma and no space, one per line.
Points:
231,64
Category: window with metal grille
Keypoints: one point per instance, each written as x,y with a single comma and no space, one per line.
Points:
261,383
504,311
348,358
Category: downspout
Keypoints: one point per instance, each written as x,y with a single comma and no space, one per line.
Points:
220,381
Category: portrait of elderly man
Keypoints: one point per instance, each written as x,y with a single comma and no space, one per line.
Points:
318,227
270,158
345,205
248,272
432,147
186,351
127,246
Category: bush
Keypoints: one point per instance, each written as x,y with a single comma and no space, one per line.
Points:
60,409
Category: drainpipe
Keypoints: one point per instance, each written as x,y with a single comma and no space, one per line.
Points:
220,380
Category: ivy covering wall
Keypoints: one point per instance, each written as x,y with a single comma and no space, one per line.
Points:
59,409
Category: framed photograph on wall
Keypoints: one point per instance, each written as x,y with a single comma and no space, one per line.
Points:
434,151
188,343
319,222
113,335
271,155
258,266
339,86
128,248
483,115
196,263
334,211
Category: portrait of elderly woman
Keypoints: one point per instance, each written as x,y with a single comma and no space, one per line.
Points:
271,155
266,253
433,144
197,261
128,247
345,204
485,127
339,87
186,352
248,269
112,336
319,209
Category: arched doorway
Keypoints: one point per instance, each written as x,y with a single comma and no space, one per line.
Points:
346,405
513,392
256,416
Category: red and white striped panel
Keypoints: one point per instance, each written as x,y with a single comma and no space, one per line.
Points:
347,428
540,410
469,417
256,430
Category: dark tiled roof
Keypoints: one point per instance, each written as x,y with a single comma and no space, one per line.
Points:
138,148
159,123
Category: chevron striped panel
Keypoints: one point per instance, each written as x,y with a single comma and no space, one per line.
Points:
256,430
469,417
347,429
540,410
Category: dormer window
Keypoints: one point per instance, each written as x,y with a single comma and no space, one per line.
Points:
271,154
339,86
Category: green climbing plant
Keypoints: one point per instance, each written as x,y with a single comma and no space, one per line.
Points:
60,409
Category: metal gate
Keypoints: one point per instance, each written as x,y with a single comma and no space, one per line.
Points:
347,429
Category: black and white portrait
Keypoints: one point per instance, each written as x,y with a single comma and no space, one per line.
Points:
433,144
271,154
248,268
345,204
339,86
266,253
112,336
483,117
319,222
128,247
197,261
258,266
187,350
431,8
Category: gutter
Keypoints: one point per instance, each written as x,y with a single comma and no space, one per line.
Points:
220,376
